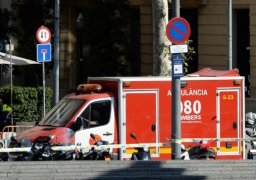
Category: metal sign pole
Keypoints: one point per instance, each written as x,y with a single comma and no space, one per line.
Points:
176,127
56,53
10,50
43,91
43,54
178,32
43,36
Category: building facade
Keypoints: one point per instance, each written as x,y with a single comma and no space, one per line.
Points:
209,21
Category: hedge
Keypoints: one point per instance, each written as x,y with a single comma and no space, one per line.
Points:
27,101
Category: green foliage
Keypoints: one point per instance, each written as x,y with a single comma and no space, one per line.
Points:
188,56
29,15
106,36
5,30
48,96
27,101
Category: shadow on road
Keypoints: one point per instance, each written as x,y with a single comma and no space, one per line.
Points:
147,170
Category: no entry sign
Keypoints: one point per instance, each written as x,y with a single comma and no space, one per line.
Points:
178,30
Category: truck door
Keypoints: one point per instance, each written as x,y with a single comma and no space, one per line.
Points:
140,115
228,126
104,130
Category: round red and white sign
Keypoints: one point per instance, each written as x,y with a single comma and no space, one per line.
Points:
43,35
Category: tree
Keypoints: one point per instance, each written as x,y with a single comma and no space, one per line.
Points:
107,38
5,30
161,61
29,15
162,56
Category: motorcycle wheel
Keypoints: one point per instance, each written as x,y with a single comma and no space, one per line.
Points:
133,155
4,156
204,158
193,157
87,157
20,158
193,151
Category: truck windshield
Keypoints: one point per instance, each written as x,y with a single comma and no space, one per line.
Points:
61,113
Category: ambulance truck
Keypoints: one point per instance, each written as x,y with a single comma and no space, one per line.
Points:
212,106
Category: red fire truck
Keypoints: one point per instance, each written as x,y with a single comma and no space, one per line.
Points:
212,106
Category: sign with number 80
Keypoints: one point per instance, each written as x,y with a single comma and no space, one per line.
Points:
188,107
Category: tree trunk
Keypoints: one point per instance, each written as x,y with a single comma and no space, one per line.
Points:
161,61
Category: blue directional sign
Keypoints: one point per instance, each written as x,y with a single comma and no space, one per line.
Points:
177,66
44,52
178,30
2,46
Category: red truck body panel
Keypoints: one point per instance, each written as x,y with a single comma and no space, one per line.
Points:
212,106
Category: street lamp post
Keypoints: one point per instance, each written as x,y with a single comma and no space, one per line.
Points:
10,50
80,27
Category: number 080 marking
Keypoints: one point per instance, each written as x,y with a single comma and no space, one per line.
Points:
189,107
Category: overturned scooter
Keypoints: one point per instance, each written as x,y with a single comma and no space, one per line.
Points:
143,152
46,148
252,152
103,153
202,151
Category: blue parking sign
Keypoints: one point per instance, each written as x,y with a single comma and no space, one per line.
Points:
44,52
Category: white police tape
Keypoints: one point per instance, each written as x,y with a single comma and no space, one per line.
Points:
124,146
14,149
